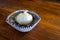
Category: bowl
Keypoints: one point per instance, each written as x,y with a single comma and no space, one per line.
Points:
23,28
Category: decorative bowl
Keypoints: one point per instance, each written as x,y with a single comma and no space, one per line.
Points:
23,28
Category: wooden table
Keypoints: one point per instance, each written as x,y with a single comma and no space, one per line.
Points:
47,29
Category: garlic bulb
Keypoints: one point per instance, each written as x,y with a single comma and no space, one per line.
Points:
24,18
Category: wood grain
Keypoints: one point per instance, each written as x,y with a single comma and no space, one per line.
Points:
47,29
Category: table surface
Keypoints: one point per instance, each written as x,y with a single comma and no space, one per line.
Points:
47,29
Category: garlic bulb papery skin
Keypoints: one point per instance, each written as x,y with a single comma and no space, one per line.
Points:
24,18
